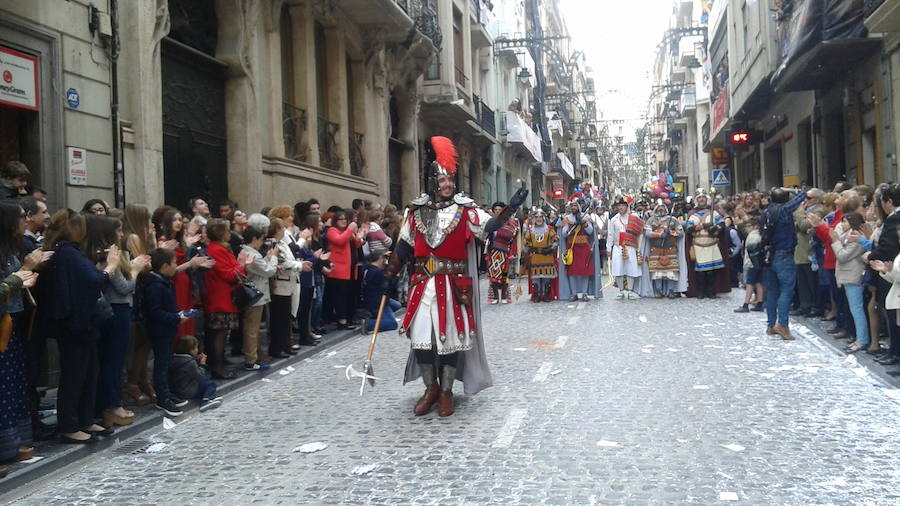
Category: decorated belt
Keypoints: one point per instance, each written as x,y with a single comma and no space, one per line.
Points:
432,266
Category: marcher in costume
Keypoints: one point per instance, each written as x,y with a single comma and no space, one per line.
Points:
663,233
706,229
540,246
579,256
502,250
623,245
443,318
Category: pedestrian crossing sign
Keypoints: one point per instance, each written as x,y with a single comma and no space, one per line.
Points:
721,177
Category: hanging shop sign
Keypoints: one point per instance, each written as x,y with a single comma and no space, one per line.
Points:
77,158
720,111
720,156
18,79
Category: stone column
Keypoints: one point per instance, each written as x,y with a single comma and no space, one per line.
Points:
237,44
142,27
336,58
270,112
304,45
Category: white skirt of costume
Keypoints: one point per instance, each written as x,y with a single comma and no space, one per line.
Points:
426,323
624,267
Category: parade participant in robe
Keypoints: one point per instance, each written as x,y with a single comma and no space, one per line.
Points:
540,246
579,275
502,249
443,317
706,229
623,244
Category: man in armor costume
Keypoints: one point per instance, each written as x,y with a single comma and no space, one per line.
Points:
580,272
539,244
443,318
623,245
663,233
706,229
502,249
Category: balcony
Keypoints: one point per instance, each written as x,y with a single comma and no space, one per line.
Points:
882,16
460,76
357,160
293,126
480,20
393,15
518,133
485,119
328,149
688,100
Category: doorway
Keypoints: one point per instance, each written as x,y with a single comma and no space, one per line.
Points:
193,100
774,177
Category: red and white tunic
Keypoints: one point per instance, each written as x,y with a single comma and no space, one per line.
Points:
433,315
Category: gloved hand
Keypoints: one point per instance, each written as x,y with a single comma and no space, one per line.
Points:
518,199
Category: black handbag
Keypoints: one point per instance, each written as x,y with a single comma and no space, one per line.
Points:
244,295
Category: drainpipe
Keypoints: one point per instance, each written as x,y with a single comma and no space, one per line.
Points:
118,166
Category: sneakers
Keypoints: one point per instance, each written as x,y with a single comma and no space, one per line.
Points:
169,408
620,295
259,366
492,301
179,403
504,301
210,403
633,296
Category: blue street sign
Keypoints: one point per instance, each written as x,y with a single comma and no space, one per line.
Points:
72,98
721,177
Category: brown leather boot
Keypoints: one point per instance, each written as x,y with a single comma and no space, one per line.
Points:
445,403
426,402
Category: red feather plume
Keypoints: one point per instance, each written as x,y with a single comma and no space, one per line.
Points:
445,153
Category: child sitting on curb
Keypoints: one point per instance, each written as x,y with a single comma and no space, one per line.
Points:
186,376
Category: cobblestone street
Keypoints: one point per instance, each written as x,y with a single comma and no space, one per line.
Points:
650,401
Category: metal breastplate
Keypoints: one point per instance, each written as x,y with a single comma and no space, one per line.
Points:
433,228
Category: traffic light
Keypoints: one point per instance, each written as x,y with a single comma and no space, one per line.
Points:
740,139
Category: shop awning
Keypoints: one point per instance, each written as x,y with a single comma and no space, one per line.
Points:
517,131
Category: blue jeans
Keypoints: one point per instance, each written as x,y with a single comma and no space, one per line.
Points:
112,348
316,316
856,301
780,281
388,320
162,359
206,390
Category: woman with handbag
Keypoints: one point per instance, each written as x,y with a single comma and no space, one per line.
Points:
221,280
70,291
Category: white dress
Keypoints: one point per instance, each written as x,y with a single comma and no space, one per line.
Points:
621,266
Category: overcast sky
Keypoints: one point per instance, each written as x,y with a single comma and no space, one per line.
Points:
618,38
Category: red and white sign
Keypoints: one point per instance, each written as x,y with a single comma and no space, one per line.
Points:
720,111
18,79
77,166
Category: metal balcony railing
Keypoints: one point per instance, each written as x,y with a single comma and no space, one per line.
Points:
328,150
357,159
460,77
487,118
706,131
293,125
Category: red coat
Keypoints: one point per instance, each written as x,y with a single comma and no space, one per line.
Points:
221,280
823,232
339,244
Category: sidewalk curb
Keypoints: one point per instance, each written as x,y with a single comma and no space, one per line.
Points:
32,472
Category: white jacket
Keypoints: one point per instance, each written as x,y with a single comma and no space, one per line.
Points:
892,301
287,280
259,271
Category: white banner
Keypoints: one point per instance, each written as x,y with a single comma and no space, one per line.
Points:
566,165
518,131
18,79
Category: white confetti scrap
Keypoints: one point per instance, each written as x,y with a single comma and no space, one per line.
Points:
310,447
892,393
701,387
680,334
642,318
554,373
267,380
734,447
732,366
155,448
768,375
520,349
728,496
673,350
606,444
284,372
290,368
168,424
365,469
331,353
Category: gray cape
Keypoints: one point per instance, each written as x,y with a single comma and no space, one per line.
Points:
472,367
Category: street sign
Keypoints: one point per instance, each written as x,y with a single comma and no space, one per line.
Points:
721,177
73,98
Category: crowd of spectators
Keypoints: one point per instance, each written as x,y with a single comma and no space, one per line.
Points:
141,304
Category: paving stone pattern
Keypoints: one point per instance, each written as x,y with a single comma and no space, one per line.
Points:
661,385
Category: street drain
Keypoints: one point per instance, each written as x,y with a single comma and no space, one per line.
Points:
134,447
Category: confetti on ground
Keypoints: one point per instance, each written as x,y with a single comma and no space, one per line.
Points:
365,469
520,349
734,447
284,372
155,448
606,444
311,447
673,350
642,318
701,387
728,496
168,424
768,375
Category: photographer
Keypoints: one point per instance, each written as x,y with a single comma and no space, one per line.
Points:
779,236
260,269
